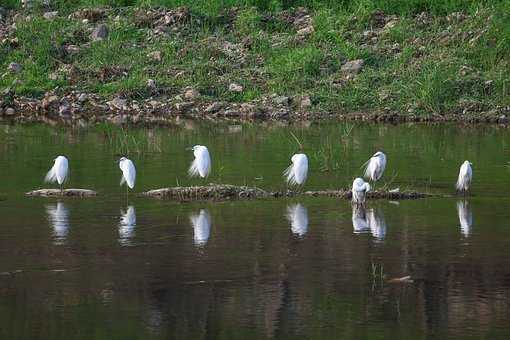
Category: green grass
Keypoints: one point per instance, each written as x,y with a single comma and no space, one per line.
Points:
434,67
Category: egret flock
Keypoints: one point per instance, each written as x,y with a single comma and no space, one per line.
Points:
295,175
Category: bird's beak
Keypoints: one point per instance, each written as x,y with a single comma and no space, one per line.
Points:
189,148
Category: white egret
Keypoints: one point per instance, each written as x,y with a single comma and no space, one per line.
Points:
360,188
127,225
58,172
58,215
201,165
374,167
465,177
359,220
298,218
297,172
128,172
377,224
465,217
201,224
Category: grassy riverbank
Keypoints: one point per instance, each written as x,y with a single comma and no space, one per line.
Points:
418,57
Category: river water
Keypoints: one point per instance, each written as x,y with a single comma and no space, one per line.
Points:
117,267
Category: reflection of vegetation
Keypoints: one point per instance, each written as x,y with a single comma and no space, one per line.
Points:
124,143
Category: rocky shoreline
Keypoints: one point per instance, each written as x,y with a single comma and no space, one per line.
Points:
82,108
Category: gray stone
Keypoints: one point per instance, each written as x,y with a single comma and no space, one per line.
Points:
82,97
353,66
50,15
9,111
156,56
306,102
184,106
151,84
100,32
191,94
282,100
14,67
118,103
235,88
214,107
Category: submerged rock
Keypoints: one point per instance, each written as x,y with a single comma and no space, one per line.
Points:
65,192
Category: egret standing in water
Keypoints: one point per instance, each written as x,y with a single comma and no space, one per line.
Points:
375,166
465,177
58,172
297,172
128,173
201,165
360,188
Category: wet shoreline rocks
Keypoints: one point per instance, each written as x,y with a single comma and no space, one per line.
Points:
88,108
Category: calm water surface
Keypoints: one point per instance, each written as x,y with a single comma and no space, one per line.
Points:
116,268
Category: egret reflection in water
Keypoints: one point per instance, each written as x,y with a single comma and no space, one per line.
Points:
368,221
58,216
127,225
201,224
298,218
465,217
377,223
359,219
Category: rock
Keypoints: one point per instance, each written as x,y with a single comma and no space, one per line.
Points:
100,32
306,102
353,66
156,56
282,100
64,109
235,88
10,111
118,103
49,101
390,24
191,94
306,31
50,15
151,84
184,106
82,97
14,67
214,107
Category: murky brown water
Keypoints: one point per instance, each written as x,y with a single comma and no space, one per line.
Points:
107,268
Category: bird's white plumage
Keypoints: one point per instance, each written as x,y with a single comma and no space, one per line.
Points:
465,217
201,165
465,177
58,172
360,188
375,166
298,218
128,172
297,172
201,224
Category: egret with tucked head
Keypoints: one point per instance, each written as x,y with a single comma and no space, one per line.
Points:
374,167
58,172
128,173
465,177
360,188
297,172
201,165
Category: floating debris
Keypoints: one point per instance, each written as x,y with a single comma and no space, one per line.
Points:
64,193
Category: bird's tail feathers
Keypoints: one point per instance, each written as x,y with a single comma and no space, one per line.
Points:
193,169
289,175
51,176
